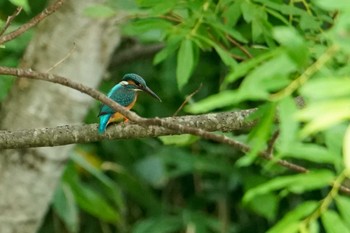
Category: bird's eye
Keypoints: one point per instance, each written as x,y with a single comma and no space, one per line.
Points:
138,84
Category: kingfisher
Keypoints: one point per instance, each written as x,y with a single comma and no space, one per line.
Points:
125,94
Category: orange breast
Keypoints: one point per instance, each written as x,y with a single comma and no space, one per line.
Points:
118,116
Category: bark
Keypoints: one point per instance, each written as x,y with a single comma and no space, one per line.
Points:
71,134
29,176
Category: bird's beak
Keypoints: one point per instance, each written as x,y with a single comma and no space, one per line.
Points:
149,91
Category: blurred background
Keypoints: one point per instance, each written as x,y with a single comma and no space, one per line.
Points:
236,54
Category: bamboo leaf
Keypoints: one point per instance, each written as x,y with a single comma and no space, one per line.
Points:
185,61
333,223
346,153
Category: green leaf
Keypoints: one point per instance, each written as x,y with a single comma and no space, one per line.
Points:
148,30
163,7
277,15
146,25
185,61
244,67
163,224
108,183
227,30
81,161
88,198
225,56
260,25
265,205
99,11
334,143
294,183
268,77
309,151
346,153
340,34
248,10
232,13
333,5
323,114
94,203
222,99
334,136
289,9
343,205
199,222
260,133
65,207
309,22
333,223
21,3
171,46
291,220
328,87
288,125
294,43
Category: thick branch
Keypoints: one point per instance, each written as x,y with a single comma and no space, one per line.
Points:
10,19
70,134
34,21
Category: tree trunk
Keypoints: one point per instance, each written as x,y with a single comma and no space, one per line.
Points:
28,177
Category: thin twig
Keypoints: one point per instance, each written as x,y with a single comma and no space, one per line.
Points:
188,98
63,59
238,45
327,201
305,76
31,23
235,56
10,19
171,17
271,143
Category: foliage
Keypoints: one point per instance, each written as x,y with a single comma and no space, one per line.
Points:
247,53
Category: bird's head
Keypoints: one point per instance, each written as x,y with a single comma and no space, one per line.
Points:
137,83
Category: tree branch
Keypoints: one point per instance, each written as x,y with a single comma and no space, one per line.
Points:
31,23
70,134
10,19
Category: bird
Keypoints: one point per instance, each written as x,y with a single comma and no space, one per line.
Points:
124,93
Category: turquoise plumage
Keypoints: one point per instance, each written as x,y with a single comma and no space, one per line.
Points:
125,94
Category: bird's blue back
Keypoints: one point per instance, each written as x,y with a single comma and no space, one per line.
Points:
120,94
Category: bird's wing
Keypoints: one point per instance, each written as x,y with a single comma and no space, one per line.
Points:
120,95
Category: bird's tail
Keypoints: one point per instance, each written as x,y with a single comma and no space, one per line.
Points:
103,123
